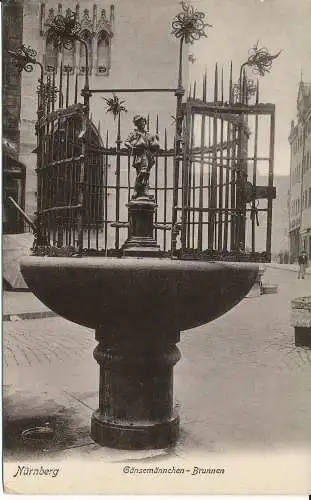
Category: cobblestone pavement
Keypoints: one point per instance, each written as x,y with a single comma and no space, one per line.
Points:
249,385
241,382
48,350
22,302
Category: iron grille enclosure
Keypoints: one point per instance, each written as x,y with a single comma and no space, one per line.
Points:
208,208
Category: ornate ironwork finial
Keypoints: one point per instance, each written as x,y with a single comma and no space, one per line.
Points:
189,25
64,30
260,60
24,58
115,105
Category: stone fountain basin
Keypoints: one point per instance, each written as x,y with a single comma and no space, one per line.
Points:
143,294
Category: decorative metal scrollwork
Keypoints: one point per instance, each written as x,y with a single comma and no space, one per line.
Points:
115,105
251,87
250,90
48,91
64,30
260,60
189,25
24,58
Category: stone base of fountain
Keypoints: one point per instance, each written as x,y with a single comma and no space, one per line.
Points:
141,241
147,436
135,390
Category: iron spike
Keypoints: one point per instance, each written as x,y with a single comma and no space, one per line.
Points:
76,90
61,85
119,130
230,84
53,89
244,92
204,85
67,88
194,89
216,84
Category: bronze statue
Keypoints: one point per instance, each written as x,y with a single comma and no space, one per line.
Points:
143,146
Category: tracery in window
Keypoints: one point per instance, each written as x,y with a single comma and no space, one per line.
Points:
103,53
97,30
86,35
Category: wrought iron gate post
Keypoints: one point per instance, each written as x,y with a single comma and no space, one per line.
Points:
118,171
188,26
180,92
86,90
81,186
270,185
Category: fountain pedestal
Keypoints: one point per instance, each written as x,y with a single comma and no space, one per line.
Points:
141,241
135,390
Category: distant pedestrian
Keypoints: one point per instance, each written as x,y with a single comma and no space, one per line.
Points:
303,264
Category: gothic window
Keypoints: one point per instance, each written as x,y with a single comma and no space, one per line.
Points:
68,59
50,55
103,53
86,35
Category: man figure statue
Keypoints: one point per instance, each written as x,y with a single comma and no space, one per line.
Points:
143,145
303,264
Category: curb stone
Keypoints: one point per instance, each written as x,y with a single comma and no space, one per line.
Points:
29,315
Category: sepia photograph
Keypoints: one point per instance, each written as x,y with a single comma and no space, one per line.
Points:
156,246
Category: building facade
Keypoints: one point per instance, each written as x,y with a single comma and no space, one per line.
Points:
13,171
299,200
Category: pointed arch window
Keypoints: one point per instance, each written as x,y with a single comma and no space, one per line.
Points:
86,35
50,55
69,58
103,53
